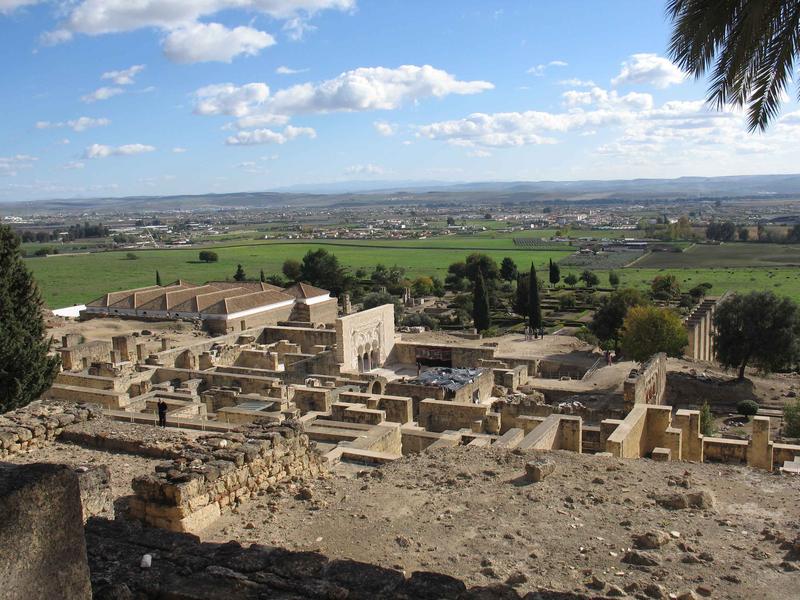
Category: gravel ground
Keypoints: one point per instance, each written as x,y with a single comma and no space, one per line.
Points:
470,513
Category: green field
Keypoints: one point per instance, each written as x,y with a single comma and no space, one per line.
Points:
725,255
76,279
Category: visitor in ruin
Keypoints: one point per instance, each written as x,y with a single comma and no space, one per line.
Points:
162,413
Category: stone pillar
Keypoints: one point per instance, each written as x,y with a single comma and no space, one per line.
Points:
688,421
140,352
347,306
164,344
759,449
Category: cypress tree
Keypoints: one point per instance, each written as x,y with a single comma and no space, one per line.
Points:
534,305
480,305
26,370
262,277
521,299
239,275
555,273
158,278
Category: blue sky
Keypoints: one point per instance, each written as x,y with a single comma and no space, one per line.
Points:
102,97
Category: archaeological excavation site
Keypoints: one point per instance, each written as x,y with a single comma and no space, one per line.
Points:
205,442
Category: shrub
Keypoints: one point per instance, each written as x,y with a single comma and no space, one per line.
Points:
207,256
707,420
131,256
791,419
748,408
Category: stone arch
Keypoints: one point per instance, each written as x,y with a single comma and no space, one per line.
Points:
376,386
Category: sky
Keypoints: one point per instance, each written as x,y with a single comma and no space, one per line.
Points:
160,97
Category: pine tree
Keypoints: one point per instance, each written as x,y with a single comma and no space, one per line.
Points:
158,278
239,275
555,273
26,370
534,304
480,305
262,277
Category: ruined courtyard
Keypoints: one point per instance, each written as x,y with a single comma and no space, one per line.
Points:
437,465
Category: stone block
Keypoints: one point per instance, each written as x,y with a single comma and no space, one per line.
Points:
536,470
42,546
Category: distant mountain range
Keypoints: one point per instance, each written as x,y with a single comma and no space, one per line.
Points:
355,193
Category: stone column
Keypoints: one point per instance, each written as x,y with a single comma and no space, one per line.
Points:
759,450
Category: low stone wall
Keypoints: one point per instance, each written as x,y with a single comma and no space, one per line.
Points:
191,570
643,430
38,424
219,471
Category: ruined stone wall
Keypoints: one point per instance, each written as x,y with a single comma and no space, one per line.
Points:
438,415
309,399
219,471
80,356
38,424
305,337
648,385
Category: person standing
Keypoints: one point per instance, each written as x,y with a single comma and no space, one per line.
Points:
162,413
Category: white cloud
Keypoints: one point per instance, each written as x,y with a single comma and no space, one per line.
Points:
479,154
297,27
385,128
256,121
55,37
188,39
368,169
10,165
178,150
77,125
373,88
228,99
268,136
649,69
74,165
206,42
539,70
9,6
606,99
577,82
284,70
111,16
103,93
102,151
587,110
124,76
